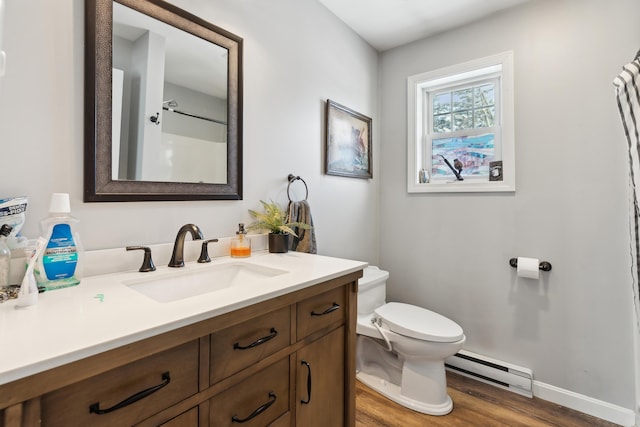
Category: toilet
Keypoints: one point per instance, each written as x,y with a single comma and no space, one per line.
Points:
401,348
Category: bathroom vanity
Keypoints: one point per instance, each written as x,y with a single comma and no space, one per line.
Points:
278,350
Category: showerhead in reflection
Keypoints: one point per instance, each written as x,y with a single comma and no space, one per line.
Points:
171,103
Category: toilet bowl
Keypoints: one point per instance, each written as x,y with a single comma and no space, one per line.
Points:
401,348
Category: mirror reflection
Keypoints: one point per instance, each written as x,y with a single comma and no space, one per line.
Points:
169,96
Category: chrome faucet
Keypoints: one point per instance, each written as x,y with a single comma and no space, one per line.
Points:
177,257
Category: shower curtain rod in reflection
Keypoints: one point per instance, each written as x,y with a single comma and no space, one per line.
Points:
173,110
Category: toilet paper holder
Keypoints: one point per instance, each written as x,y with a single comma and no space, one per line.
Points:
544,265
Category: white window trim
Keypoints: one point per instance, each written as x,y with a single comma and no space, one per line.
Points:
460,73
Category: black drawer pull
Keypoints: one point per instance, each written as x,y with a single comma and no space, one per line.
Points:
272,334
261,409
331,309
306,402
95,408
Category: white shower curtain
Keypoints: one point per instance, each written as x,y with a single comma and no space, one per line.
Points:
627,86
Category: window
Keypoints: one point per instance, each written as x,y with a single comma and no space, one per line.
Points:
460,128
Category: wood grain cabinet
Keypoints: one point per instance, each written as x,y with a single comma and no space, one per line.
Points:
286,361
239,346
320,395
126,395
186,419
258,400
320,363
320,311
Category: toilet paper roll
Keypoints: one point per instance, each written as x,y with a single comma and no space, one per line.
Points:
528,268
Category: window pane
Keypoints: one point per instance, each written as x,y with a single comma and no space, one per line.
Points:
442,103
475,153
483,96
484,117
462,99
463,120
442,123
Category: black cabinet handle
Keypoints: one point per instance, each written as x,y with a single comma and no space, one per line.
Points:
306,402
272,334
331,309
261,409
95,408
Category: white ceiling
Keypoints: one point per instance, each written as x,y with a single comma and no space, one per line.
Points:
389,23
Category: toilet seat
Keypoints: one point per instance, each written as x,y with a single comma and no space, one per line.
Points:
419,323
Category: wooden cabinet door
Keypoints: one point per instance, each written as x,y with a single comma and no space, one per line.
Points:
320,383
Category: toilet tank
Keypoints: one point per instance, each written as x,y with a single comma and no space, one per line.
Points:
372,290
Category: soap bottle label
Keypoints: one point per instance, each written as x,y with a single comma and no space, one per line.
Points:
61,255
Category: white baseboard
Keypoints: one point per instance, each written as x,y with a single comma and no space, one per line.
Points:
597,408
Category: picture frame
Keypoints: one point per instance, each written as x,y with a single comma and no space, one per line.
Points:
347,142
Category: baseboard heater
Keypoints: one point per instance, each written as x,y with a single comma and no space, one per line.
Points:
500,374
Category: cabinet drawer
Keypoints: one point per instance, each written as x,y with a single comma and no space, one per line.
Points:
242,345
320,311
257,401
186,419
71,405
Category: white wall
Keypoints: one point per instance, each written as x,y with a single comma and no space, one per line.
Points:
296,55
450,252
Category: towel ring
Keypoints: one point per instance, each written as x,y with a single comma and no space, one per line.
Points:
291,178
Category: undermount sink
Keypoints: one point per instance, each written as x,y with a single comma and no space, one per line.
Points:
173,286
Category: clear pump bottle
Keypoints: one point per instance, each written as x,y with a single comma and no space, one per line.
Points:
5,256
60,264
241,244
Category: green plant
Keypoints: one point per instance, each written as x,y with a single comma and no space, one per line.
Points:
274,220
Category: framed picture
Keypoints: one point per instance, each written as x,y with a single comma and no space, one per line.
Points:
348,142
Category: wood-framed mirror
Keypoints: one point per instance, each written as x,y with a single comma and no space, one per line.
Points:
163,104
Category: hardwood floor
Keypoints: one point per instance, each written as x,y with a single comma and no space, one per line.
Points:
474,404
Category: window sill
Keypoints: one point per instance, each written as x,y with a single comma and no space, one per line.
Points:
466,186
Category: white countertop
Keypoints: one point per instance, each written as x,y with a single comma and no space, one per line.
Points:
102,313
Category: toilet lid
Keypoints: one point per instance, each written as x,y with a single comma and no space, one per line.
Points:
419,323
